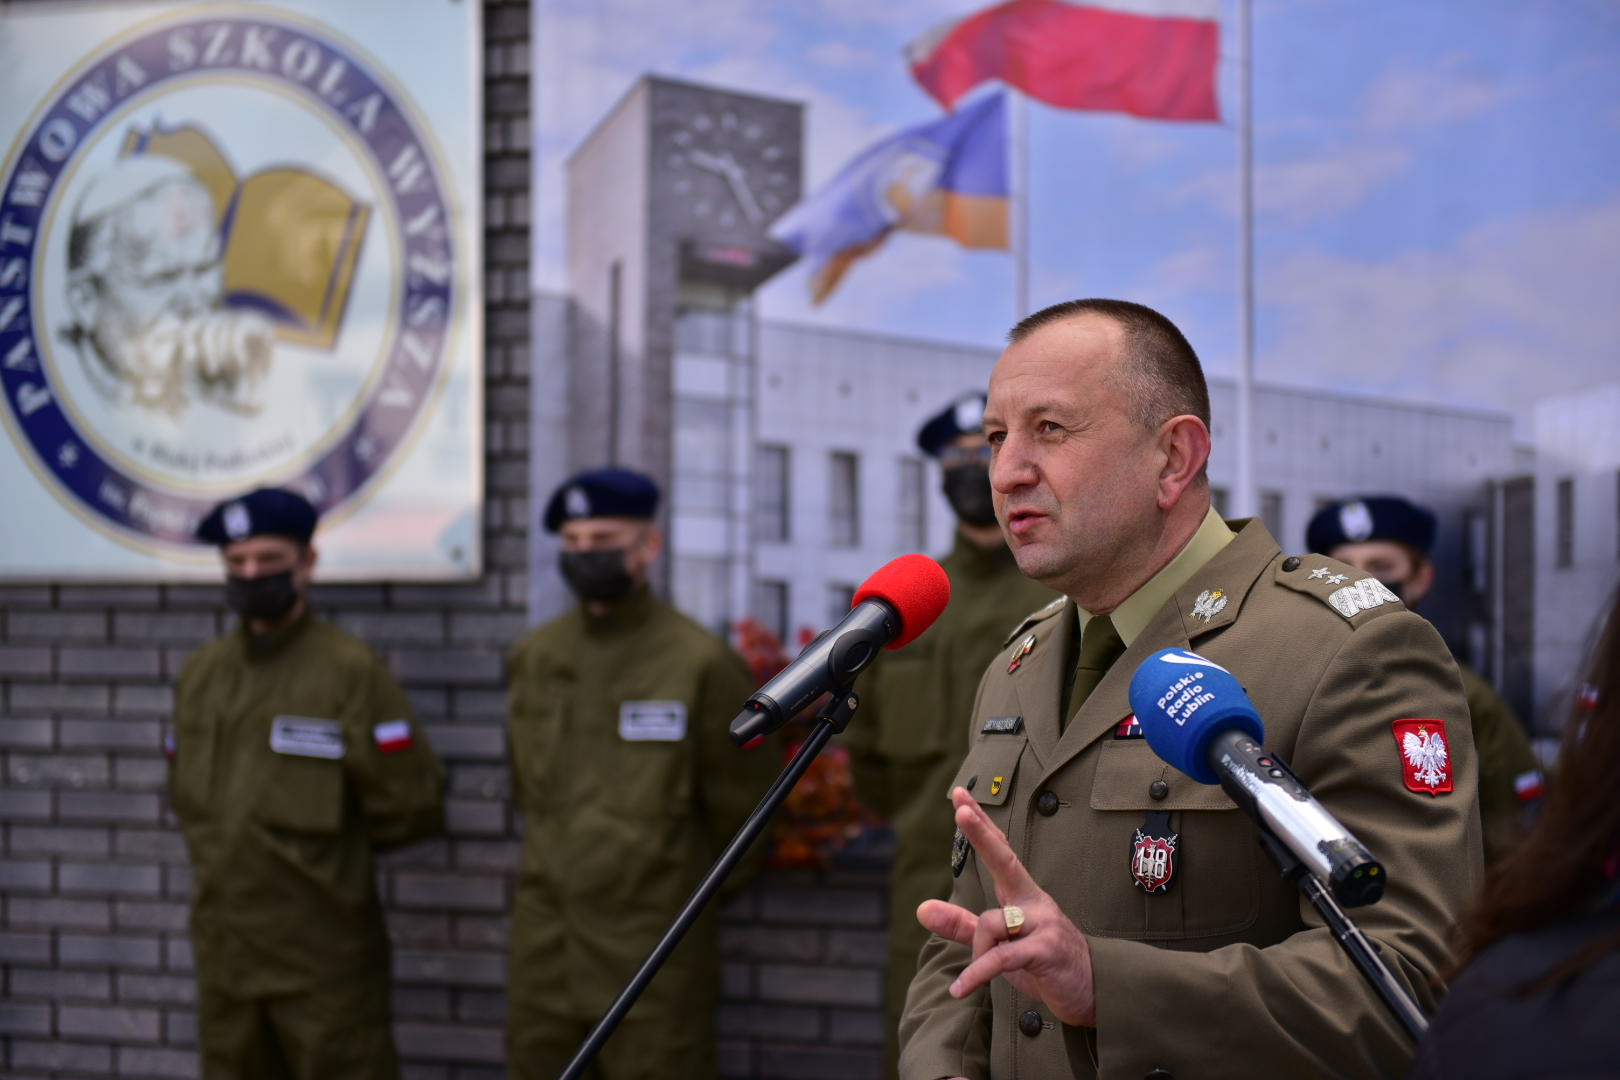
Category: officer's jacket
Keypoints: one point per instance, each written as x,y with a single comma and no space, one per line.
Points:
623,767
1505,758
295,756
1228,971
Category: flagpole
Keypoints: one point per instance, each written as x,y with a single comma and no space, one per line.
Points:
1245,499
1020,202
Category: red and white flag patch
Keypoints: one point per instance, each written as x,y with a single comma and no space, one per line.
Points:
1425,755
1529,786
392,736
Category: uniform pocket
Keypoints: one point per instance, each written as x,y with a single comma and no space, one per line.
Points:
1215,890
301,794
652,777
991,768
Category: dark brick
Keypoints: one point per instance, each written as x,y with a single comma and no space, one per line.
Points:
481,931
485,593
120,597
25,805
57,626
121,807
450,892
157,1062
177,955
180,1027
28,734
88,662
483,781
26,661
819,985
380,629
17,1019
421,1002
826,907
54,911
424,854
149,915
149,844
754,942
499,628
736,980
457,667
19,875
800,1023
468,742
450,1042
816,1062
418,928
135,953
131,697
116,1024
500,855
858,948
21,948
481,1006
60,985
194,627
60,697
13,597
440,966
57,840
475,817
72,1058
177,882
140,772
855,1027
109,879
474,704
349,597
57,770
157,989
110,735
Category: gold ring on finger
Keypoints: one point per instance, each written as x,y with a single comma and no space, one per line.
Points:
1014,918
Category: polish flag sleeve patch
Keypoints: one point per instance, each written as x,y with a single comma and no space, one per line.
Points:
392,736
1425,755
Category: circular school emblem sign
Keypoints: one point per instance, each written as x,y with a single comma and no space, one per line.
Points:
227,258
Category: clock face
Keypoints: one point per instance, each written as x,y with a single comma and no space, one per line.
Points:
726,167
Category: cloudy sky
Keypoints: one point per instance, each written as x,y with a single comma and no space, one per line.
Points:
1437,184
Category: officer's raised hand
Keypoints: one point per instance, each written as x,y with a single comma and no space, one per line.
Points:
1045,957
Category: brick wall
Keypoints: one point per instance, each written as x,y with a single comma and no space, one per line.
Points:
93,948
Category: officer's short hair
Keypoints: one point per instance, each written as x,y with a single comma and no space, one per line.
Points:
1161,376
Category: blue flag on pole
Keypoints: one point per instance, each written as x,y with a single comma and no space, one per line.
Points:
947,177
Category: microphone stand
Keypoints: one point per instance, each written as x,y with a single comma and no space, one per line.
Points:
831,720
1350,937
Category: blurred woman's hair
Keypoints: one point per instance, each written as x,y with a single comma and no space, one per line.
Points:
1569,859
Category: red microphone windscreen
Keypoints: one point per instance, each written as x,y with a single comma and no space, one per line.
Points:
916,587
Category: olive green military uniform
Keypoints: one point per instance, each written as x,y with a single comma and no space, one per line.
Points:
630,786
906,741
295,756
1229,972
1504,756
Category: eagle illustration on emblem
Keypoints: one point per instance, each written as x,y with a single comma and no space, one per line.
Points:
1209,604
1426,760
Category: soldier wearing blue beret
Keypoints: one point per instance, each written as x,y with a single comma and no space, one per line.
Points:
623,767
295,757
1390,538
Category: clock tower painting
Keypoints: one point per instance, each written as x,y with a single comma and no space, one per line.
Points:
670,202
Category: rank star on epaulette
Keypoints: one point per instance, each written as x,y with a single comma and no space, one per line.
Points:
1025,647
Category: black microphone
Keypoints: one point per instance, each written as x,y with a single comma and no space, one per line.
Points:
1197,717
897,603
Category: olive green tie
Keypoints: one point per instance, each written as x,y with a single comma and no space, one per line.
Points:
1100,646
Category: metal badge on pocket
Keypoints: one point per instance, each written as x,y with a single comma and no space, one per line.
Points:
304,736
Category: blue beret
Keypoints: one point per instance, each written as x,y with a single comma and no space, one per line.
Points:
964,416
1371,517
601,493
265,511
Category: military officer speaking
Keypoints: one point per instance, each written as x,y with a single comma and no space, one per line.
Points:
295,756
1391,538
629,786
1110,916
907,739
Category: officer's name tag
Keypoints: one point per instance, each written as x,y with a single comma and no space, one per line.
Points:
305,736
652,721
1002,725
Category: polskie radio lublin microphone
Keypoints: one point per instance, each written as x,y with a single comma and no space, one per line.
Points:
1197,717
894,606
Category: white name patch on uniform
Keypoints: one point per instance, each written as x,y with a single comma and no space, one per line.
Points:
652,721
305,736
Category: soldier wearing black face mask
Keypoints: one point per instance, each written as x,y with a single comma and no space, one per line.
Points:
295,757
907,742
623,768
1390,538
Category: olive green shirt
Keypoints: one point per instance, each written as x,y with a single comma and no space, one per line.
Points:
295,756
1505,758
629,786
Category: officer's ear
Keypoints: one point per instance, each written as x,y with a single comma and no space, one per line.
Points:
1420,581
652,544
307,559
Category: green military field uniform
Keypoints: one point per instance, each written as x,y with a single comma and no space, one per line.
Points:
1504,756
906,741
1229,971
295,757
629,785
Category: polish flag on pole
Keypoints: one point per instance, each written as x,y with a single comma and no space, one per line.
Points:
1153,58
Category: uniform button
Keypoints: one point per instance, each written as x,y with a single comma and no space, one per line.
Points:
971,781
1047,804
1290,564
1030,1023
1158,789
